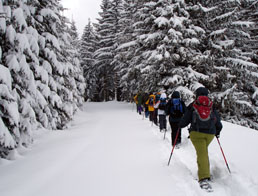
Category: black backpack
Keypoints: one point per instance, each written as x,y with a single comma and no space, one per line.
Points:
162,104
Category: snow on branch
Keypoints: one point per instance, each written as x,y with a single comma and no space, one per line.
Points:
49,13
223,16
127,45
218,32
162,21
204,9
6,140
243,23
241,62
255,94
52,39
5,76
226,43
197,74
226,93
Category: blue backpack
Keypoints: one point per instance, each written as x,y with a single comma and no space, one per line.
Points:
176,109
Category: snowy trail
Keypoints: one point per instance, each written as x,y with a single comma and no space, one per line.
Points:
110,150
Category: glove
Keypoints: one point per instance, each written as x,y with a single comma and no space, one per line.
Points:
217,134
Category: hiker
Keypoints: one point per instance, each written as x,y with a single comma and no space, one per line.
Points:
145,99
161,106
136,102
139,102
205,124
155,118
151,102
175,108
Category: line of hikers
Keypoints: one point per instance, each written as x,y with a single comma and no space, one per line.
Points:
201,114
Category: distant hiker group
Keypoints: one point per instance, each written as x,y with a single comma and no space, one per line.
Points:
201,114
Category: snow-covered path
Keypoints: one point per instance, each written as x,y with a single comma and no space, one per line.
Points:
110,150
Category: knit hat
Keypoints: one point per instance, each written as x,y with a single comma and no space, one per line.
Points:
176,94
201,91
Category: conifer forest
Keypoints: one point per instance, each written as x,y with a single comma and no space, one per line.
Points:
47,71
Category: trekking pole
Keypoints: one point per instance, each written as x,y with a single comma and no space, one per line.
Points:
173,146
223,155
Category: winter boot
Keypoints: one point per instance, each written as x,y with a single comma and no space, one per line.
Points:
205,184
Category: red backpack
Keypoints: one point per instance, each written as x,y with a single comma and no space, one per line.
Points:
203,114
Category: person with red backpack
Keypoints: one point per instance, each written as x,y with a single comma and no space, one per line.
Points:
175,108
205,124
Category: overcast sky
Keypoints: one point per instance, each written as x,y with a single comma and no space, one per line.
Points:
81,11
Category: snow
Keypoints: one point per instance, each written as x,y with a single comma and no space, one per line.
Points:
5,76
19,18
241,62
12,63
204,9
218,32
5,137
10,33
109,149
161,21
243,23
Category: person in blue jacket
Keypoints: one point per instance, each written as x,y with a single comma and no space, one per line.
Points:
175,108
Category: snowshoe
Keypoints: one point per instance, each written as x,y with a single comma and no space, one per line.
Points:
205,185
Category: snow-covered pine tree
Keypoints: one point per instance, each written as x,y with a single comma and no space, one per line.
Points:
125,51
19,53
53,56
77,80
116,9
87,50
104,55
9,115
230,64
165,44
37,77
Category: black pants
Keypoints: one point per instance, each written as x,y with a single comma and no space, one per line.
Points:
151,115
174,128
155,119
162,122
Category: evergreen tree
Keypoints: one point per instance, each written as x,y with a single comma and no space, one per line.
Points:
88,48
125,51
106,50
76,76
41,81
228,57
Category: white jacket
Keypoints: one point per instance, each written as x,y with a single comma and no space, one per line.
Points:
160,112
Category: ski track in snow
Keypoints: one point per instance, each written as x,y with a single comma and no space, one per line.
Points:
111,150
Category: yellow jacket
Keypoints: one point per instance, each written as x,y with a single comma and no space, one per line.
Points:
135,98
150,106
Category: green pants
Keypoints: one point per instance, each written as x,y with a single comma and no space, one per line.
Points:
201,142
